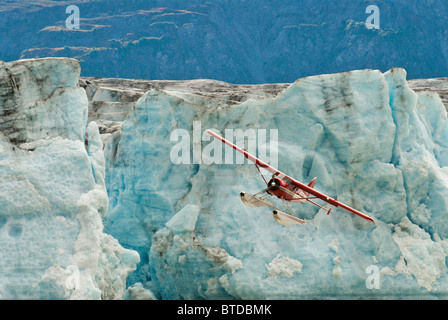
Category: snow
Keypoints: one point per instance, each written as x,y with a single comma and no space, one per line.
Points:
283,266
137,292
425,258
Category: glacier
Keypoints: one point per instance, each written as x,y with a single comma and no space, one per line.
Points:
53,195
93,207
372,142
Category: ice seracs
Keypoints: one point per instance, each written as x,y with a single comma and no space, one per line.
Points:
52,193
371,141
77,189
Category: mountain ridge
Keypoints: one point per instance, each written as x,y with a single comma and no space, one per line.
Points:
232,41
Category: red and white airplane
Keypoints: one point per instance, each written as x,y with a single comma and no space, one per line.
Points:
286,189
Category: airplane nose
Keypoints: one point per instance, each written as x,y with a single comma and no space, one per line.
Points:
273,185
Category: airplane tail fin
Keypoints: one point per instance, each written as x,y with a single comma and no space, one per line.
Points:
302,196
312,183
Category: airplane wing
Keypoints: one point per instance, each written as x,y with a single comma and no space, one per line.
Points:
281,175
248,155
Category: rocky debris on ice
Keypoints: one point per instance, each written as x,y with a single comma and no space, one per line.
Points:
110,99
437,85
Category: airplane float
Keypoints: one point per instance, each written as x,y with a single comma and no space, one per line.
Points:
286,189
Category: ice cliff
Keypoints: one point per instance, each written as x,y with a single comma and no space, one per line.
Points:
52,193
87,171
372,142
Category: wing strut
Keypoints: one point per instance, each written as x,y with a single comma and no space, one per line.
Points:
261,174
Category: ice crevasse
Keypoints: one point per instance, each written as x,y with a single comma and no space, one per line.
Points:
372,142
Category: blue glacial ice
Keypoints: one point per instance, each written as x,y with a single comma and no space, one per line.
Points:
52,193
372,142
84,220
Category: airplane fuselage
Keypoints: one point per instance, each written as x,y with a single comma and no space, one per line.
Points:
274,189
